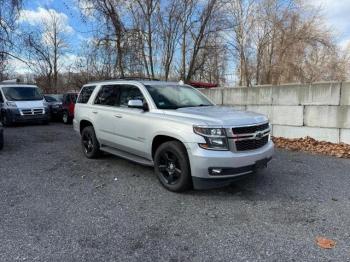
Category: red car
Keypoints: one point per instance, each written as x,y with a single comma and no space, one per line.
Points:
68,104
202,84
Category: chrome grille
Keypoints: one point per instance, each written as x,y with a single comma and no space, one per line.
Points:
251,144
250,129
251,137
32,112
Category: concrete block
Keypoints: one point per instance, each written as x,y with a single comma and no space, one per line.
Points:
235,96
260,95
327,93
345,94
286,95
214,94
265,110
318,133
281,115
345,136
327,116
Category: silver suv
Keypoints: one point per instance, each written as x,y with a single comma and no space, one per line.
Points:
187,138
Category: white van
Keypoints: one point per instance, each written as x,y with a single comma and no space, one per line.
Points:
21,103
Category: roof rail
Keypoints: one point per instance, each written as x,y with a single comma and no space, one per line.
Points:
139,78
10,81
127,78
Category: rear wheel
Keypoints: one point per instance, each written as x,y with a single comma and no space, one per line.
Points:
66,118
90,145
172,166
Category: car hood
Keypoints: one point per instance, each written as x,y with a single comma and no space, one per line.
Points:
29,104
55,103
218,115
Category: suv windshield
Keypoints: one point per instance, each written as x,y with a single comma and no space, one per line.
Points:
176,96
53,98
19,93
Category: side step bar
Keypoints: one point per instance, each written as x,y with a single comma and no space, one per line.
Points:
126,155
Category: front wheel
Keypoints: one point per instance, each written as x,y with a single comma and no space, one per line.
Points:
1,140
89,142
172,166
6,121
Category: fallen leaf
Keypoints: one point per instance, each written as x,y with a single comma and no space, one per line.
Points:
309,144
325,242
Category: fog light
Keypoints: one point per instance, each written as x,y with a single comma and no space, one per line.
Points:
216,171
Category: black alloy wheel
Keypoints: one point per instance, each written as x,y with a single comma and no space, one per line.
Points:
172,166
169,166
90,145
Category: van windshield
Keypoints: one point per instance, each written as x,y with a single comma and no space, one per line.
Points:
19,93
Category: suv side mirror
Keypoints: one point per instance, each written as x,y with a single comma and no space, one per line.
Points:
137,103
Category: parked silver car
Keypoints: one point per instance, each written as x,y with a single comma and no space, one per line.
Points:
187,138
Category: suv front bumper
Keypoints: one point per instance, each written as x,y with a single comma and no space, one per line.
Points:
211,169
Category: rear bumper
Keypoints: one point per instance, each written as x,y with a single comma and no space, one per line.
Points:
211,169
14,116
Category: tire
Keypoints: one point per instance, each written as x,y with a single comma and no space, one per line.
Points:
1,140
66,118
89,143
172,166
5,121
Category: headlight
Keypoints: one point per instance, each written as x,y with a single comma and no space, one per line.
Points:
11,104
215,138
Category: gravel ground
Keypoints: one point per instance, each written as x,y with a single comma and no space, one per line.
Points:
56,205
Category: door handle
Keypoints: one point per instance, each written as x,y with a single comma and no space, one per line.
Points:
95,112
118,116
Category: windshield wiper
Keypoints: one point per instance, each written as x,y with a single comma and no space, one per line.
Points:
195,105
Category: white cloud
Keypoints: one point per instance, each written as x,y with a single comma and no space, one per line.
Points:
86,7
42,16
18,67
336,13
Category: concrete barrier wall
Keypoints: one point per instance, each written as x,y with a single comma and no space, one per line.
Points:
318,110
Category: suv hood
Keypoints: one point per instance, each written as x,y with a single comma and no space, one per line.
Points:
219,115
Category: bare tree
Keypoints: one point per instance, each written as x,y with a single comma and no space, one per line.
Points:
270,41
9,10
45,48
200,33
109,12
170,21
149,9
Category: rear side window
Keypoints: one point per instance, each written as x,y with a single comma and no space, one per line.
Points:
73,98
85,94
66,99
108,96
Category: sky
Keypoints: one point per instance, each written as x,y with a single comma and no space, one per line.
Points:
335,12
